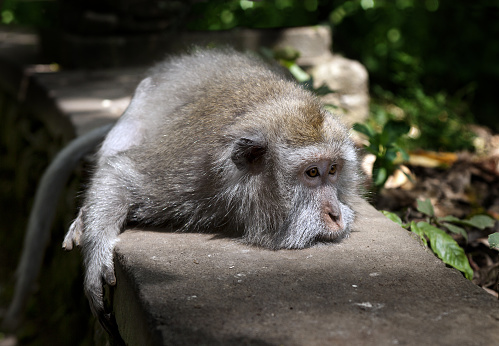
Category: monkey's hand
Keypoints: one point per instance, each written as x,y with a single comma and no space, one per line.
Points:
99,272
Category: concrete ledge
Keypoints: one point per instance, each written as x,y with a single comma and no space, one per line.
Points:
380,286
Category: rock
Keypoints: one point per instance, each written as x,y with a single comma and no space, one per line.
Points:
349,80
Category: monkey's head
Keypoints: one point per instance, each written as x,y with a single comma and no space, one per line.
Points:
294,178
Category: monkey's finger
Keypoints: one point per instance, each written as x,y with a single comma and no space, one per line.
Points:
76,238
72,236
67,244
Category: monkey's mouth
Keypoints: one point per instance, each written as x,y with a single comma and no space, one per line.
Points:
328,236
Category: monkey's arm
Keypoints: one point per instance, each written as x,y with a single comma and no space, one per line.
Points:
99,223
41,217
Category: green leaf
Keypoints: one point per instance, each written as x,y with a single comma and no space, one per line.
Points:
494,241
331,107
391,154
394,217
364,129
480,221
425,207
446,248
448,218
408,176
288,54
323,90
375,142
379,176
297,72
267,53
418,231
393,130
456,229
373,150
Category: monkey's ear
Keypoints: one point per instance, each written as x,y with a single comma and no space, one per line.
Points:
247,152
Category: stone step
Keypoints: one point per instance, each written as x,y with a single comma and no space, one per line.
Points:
380,286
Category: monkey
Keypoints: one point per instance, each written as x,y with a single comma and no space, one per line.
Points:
220,141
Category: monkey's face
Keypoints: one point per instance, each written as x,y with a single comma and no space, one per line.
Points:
320,178
294,183
316,205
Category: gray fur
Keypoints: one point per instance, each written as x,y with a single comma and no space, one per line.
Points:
216,140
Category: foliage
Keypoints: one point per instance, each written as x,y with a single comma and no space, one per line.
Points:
442,244
436,124
399,72
385,146
223,14
38,13
425,52
494,241
287,57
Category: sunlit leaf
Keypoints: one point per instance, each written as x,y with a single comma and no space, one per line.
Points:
446,248
297,72
286,53
418,231
494,240
425,207
392,216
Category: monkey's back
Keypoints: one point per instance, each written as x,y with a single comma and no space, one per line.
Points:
194,109
200,98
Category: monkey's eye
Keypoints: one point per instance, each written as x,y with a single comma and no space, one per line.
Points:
332,170
313,172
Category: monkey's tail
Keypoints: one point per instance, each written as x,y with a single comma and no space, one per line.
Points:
42,214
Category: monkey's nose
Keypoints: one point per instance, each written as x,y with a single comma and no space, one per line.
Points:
334,217
333,221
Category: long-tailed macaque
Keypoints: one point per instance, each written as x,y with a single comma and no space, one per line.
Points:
217,141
